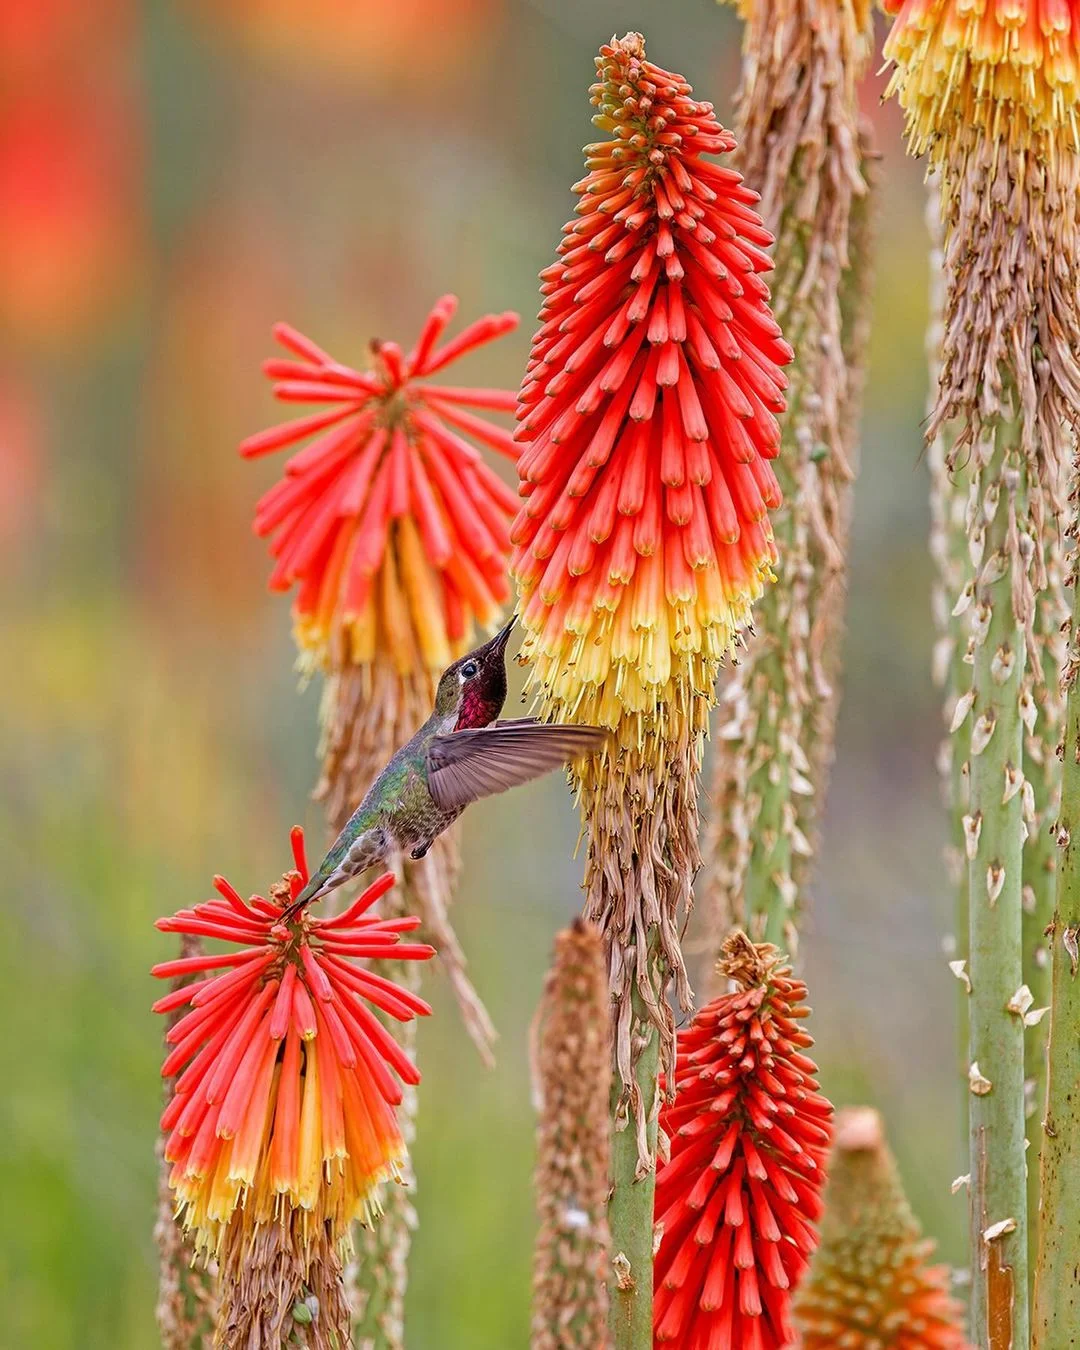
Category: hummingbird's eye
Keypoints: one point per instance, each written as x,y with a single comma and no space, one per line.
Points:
469,670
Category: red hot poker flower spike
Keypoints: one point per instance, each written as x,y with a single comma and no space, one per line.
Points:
749,1135
389,523
286,1090
648,412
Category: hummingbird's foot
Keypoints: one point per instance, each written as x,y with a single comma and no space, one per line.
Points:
420,851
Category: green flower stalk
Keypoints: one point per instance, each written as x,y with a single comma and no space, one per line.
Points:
951,663
1056,1306
994,837
801,146
991,100
571,1265
1042,771
1043,708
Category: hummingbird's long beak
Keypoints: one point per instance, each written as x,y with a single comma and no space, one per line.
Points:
502,637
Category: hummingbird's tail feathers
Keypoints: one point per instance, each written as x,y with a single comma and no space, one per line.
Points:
478,762
344,861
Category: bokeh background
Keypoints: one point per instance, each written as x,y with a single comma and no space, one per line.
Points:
175,175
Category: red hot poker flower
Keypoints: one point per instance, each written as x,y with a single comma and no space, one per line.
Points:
647,414
749,1131
389,523
285,1097
961,63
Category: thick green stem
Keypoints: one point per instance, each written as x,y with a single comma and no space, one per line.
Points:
1042,769
1056,1318
769,887
949,489
949,549
630,1205
994,835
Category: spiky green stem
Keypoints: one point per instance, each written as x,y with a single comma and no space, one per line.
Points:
1056,1314
769,893
630,1204
949,488
1042,770
994,835
949,548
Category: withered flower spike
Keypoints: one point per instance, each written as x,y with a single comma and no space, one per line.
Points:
571,1261
281,1285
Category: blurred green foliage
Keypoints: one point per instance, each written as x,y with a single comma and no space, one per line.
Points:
151,731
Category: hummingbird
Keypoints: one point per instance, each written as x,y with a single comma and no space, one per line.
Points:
460,754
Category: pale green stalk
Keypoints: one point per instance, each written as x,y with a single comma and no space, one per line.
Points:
1042,770
952,671
949,487
994,828
630,1204
1056,1310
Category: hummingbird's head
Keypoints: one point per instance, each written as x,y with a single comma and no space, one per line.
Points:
475,686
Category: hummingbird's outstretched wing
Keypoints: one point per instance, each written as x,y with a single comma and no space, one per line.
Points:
480,761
